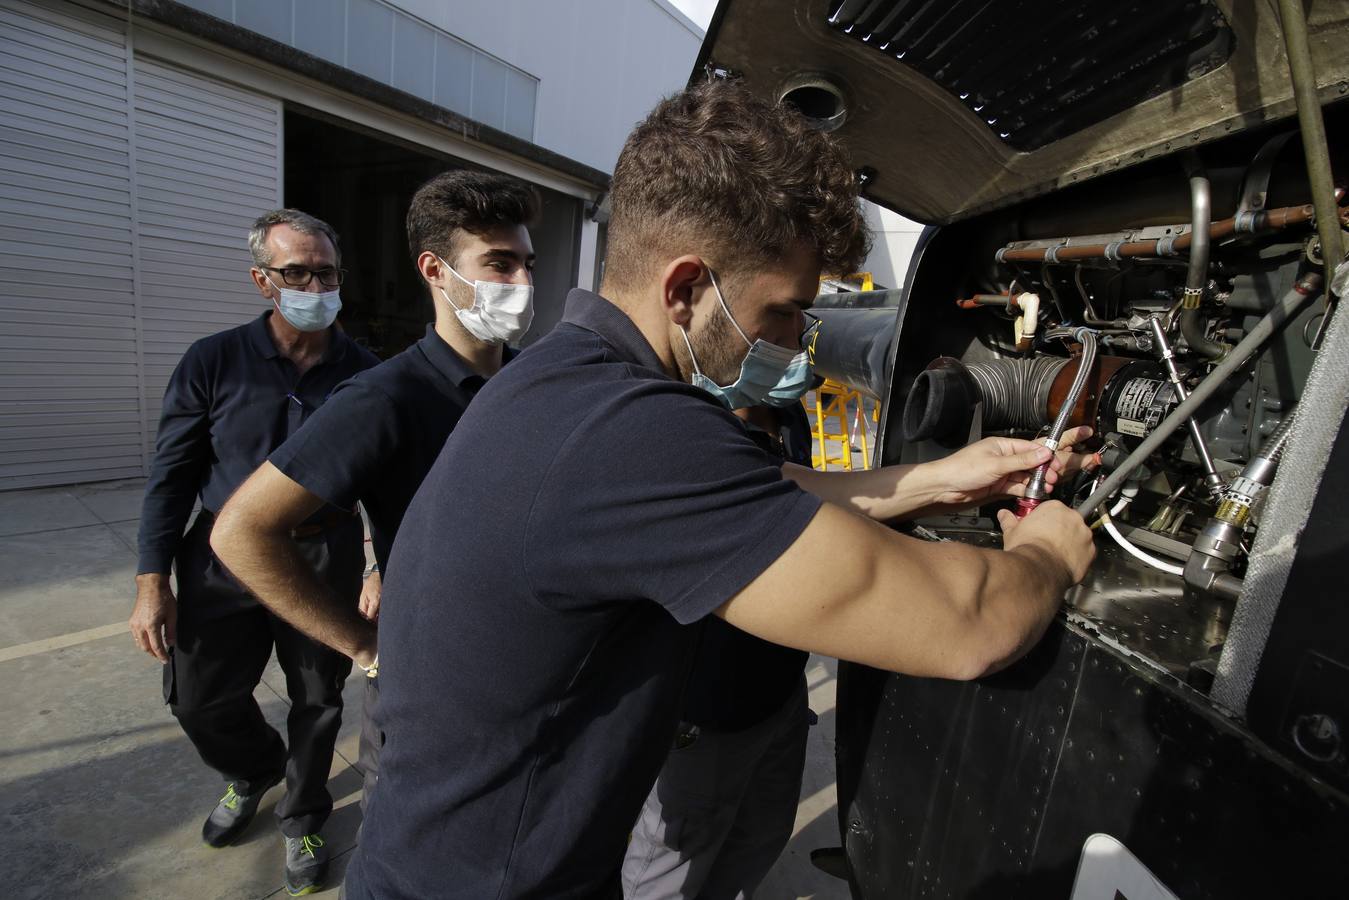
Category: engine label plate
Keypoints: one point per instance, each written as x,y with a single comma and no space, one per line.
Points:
1131,428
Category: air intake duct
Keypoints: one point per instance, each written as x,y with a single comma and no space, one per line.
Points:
1014,392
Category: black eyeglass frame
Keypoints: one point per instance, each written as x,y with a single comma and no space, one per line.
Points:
309,275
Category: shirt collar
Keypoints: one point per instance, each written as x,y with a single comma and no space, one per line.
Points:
593,313
261,340
450,364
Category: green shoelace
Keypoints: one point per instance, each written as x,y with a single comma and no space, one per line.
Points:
231,799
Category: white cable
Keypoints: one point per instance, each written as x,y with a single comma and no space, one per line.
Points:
1133,551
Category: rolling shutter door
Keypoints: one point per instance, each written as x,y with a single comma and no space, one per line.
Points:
208,162
69,388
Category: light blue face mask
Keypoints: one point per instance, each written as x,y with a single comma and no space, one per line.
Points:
769,374
306,311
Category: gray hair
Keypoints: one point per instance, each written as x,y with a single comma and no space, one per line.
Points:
302,222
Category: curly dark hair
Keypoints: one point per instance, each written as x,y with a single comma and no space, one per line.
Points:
718,171
464,199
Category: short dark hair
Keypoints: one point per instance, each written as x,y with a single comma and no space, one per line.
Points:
473,201
302,222
719,171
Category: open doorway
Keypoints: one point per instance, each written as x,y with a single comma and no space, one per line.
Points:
361,182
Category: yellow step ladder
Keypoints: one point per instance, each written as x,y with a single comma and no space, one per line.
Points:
838,424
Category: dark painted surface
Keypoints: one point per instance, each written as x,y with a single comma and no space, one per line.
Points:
989,789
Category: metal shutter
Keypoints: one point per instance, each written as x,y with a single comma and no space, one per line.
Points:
208,162
69,388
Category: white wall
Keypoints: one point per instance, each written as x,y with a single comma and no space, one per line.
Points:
601,64
894,238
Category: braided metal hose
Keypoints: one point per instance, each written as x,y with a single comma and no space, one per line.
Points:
1036,488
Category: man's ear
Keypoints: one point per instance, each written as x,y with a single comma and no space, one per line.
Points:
264,286
681,287
430,266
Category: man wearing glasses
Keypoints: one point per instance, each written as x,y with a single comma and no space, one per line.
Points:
234,397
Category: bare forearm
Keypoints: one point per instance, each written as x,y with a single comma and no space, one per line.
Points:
270,565
1020,599
884,494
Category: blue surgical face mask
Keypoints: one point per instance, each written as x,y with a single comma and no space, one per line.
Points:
307,311
799,377
769,374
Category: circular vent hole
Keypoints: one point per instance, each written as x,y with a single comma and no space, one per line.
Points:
820,102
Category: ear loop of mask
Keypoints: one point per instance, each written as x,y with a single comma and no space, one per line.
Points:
446,294
726,309
722,300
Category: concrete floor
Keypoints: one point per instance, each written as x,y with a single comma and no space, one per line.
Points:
102,796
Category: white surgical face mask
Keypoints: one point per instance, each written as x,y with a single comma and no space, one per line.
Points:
306,311
500,314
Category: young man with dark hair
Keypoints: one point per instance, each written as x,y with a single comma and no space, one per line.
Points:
541,594
377,436
234,397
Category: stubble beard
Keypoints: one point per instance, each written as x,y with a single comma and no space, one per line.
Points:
719,348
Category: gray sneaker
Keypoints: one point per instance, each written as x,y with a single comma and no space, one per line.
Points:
306,864
232,815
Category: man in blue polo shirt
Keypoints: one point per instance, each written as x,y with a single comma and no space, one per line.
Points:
377,436
541,595
235,397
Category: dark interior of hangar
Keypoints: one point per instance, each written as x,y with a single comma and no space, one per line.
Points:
361,185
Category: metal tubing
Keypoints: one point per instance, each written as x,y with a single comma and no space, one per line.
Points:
1163,348
1288,306
1313,131
1036,490
1192,329
1191,320
1274,219
1208,568
1201,218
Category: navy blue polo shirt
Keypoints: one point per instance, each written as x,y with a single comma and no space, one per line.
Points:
377,436
739,680
587,510
232,400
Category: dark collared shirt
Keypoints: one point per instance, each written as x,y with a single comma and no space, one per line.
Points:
377,436
534,632
739,680
232,400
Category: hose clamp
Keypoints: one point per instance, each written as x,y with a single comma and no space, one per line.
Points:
1166,246
1001,255
1245,222
1052,254
1112,250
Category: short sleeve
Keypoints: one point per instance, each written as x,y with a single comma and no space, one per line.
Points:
661,495
340,447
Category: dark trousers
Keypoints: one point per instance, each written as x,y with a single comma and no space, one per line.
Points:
224,642
372,740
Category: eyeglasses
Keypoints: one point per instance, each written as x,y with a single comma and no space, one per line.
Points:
299,276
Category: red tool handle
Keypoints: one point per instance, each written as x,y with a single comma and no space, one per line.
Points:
1024,507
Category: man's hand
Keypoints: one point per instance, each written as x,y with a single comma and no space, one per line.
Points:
1054,531
154,619
370,591
999,467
